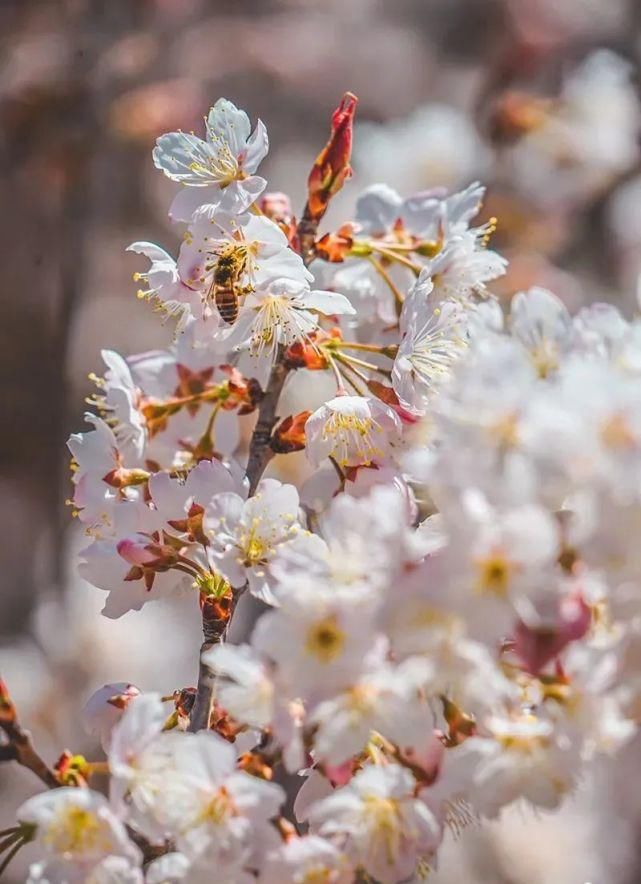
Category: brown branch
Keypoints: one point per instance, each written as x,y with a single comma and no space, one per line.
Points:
217,614
8,753
306,233
199,718
336,154
260,451
260,454
19,746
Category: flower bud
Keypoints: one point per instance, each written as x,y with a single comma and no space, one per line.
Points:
277,206
135,552
72,770
104,708
332,165
536,645
7,707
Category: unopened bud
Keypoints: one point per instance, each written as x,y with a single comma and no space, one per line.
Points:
72,770
104,709
136,552
7,707
289,435
277,206
332,166
515,114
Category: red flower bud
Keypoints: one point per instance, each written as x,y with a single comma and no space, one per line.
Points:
332,165
7,707
136,553
277,206
537,646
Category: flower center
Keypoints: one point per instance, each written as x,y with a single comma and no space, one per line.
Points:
279,320
315,875
494,572
385,824
545,358
361,700
617,434
219,163
76,830
253,547
506,430
219,808
352,438
523,744
325,640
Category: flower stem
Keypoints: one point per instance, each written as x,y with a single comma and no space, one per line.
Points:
398,296
345,359
340,386
399,259
16,847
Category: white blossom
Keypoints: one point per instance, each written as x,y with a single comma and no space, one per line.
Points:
354,430
381,823
80,836
221,168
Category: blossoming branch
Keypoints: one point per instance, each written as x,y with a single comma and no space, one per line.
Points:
449,614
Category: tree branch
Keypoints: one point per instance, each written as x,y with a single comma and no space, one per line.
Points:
216,620
260,454
306,233
19,746
260,451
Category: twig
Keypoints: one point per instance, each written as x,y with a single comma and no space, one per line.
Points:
335,157
260,452
16,847
199,718
216,621
19,746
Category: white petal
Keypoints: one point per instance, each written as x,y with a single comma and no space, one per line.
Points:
327,303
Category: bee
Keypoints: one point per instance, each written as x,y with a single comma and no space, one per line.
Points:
225,290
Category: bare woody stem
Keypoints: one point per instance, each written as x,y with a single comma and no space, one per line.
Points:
260,451
260,454
329,171
19,746
307,229
214,631
201,710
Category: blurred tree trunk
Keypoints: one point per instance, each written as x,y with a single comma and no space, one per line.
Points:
52,135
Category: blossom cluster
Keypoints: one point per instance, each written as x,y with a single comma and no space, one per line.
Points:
449,602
